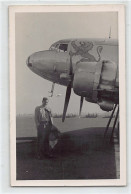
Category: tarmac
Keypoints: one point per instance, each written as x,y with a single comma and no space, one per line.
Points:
80,154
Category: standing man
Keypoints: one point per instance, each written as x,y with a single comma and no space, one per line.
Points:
43,120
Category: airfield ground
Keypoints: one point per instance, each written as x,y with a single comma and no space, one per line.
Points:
80,153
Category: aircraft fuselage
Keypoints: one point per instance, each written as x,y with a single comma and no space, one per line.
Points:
89,66
53,64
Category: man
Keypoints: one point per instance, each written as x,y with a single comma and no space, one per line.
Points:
43,120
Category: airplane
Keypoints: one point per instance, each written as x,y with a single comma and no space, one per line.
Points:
89,66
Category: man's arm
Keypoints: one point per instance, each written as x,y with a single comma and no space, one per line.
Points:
37,116
51,118
50,114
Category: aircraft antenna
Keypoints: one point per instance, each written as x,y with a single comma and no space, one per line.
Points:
110,33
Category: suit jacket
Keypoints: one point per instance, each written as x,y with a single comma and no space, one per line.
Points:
40,116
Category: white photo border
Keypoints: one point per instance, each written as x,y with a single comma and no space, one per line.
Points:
122,89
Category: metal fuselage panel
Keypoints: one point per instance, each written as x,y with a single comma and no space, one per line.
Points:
53,65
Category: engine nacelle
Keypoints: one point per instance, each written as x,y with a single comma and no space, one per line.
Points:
98,82
84,77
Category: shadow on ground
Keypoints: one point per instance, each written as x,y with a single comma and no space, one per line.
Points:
80,154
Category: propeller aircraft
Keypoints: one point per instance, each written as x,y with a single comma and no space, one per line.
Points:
89,66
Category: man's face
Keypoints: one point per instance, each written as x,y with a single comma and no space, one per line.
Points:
45,102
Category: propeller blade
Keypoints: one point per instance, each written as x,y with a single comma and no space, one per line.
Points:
71,66
68,91
81,104
67,98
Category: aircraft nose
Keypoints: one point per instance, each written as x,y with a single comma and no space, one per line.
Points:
40,61
28,62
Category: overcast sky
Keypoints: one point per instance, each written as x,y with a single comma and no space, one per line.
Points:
37,31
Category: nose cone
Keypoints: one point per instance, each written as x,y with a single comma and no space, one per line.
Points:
41,61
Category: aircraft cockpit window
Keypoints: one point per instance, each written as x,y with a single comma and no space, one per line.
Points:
59,47
63,47
54,47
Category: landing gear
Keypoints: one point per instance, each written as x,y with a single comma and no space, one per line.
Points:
52,90
115,121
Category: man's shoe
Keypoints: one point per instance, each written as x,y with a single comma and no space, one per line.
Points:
40,157
51,155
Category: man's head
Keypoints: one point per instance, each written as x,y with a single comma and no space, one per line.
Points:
45,101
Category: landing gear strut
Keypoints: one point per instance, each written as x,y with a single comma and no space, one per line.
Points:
52,90
116,118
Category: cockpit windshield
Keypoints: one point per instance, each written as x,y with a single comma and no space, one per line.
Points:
62,47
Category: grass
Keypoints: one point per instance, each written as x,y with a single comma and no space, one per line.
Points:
25,125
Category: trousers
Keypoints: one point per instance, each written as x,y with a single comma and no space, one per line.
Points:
43,132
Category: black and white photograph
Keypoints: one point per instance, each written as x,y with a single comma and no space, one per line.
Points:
67,95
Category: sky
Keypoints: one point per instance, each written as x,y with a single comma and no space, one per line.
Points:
37,31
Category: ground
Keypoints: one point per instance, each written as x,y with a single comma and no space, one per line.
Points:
80,154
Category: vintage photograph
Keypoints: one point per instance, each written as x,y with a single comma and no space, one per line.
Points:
67,95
